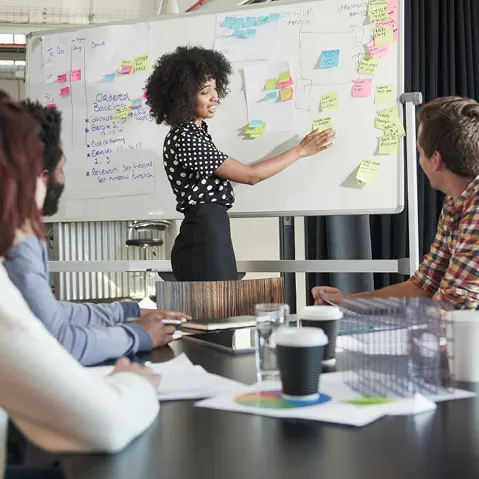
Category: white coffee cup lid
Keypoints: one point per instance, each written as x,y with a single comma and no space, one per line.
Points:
300,337
319,313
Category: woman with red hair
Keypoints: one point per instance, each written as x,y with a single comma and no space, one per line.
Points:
53,400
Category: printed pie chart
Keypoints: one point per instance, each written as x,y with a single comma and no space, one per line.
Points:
275,400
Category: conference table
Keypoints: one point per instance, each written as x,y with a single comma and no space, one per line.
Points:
188,442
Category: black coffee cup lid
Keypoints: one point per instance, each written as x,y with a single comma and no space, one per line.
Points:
300,337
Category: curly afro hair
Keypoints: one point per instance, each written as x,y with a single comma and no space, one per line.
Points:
50,120
172,87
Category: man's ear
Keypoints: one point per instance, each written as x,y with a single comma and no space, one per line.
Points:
45,176
437,161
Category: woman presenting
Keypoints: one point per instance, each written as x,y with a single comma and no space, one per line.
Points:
183,91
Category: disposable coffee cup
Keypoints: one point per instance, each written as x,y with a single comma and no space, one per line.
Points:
325,318
462,330
299,352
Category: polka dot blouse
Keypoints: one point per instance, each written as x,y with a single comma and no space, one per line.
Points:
191,159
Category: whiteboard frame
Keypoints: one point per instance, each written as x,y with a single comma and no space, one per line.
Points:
401,70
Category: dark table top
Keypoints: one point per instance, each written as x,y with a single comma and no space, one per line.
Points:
188,442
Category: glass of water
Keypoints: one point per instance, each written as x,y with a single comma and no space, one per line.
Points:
269,317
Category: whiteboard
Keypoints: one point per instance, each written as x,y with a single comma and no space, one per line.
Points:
114,168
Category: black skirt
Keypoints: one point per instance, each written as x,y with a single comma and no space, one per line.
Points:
203,250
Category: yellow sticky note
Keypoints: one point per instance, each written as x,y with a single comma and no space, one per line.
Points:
388,114
329,101
388,145
285,76
378,13
122,112
383,36
375,3
271,84
384,94
254,131
394,128
322,123
126,62
367,171
369,65
141,63
286,94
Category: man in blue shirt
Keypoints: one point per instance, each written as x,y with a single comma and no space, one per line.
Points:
91,333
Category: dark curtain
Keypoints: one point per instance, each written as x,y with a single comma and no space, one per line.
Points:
442,58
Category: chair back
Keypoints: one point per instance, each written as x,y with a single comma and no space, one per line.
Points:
218,299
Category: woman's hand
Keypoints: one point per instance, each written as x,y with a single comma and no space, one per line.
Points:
315,142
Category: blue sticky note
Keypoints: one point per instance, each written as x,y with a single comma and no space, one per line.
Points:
255,124
329,59
250,33
271,96
110,77
228,22
239,33
250,22
274,17
238,23
261,21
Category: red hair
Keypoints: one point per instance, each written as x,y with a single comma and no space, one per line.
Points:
21,160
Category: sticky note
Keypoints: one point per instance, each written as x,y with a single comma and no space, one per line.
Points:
329,59
228,22
250,33
239,22
388,113
369,65
329,101
122,112
51,105
250,22
388,145
375,3
238,33
109,78
65,91
378,13
367,171
126,67
384,94
394,128
271,96
286,94
261,20
62,78
141,63
274,17
258,129
322,123
284,76
51,78
255,124
271,84
286,84
75,75
47,98
383,36
390,23
362,88
377,52
135,104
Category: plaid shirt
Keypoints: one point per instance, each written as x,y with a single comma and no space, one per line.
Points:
450,272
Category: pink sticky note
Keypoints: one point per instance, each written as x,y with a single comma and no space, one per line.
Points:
393,9
62,78
65,91
286,84
75,75
362,88
375,51
51,105
126,70
390,23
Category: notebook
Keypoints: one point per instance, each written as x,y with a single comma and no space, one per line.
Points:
223,323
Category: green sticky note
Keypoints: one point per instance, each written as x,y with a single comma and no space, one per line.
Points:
255,130
121,113
378,13
322,123
369,65
271,84
383,36
369,401
284,77
384,94
141,63
367,171
329,101
388,145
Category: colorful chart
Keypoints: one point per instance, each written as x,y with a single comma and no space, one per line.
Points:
275,400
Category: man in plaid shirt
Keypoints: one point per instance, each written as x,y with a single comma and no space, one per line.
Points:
448,146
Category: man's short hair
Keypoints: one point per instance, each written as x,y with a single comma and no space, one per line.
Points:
50,120
450,126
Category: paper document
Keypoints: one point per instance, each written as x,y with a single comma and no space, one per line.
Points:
180,379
